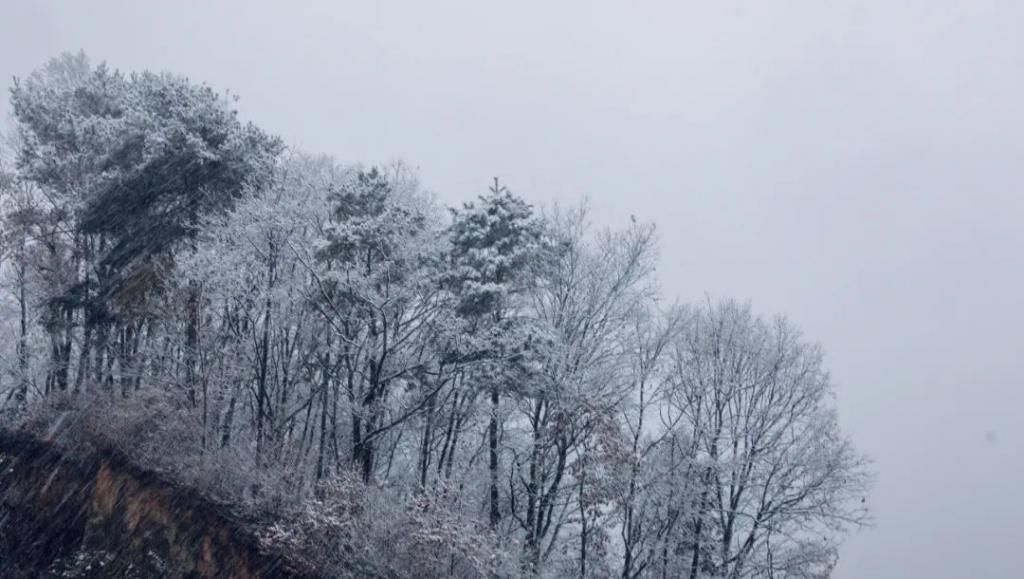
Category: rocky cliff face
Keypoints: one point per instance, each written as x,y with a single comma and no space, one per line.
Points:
95,515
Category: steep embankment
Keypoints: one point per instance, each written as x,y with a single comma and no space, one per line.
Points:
96,515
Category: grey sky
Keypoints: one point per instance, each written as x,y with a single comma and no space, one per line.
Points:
857,167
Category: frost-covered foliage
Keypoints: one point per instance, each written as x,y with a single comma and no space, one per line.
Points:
387,388
351,527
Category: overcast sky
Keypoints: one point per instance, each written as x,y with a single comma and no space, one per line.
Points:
856,167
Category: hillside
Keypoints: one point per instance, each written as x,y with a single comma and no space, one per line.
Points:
97,515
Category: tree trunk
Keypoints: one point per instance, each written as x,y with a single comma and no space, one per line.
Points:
192,342
83,357
229,417
23,369
427,440
584,524
492,436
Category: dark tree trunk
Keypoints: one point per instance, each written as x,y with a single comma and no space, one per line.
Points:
492,435
192,342
23,378
427,440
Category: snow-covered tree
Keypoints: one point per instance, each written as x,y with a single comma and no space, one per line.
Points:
492,244
490,392
377,289
129,164
585,301
777,480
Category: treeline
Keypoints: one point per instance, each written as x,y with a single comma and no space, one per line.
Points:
490,390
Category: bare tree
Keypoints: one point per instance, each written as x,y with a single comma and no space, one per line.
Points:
778,480
652,498
584,303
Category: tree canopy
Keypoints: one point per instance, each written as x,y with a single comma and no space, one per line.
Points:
496,390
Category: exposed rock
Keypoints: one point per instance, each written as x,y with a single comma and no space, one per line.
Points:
96,515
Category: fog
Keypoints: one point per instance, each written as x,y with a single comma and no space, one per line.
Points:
855,167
